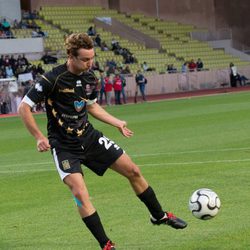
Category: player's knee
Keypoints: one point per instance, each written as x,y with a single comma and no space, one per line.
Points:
133,173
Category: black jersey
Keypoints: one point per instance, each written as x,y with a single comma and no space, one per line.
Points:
66,96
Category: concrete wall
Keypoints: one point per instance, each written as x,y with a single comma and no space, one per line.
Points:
18,46
234,14
179,82
36,4
10,9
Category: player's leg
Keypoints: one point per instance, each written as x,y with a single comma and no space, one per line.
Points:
77,186
69,169
142,90
126,167
88,213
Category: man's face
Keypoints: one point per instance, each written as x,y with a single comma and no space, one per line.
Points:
83,61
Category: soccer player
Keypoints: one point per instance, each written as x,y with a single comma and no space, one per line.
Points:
69,94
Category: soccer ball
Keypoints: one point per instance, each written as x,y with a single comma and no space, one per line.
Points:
204,204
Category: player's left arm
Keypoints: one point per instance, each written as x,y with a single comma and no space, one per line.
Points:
99,113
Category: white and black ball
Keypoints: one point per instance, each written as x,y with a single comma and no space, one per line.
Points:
204,204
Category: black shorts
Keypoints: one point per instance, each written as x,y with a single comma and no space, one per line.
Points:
98,154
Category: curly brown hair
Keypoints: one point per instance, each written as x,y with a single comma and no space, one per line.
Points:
77,41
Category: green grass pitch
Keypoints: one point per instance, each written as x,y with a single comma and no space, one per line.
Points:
180,145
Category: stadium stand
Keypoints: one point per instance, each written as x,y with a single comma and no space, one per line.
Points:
176,44
173,47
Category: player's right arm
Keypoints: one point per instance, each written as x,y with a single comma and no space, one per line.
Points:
24,111
35,95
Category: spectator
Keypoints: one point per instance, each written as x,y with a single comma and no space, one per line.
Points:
102,89
40,69
117,85
98,40
184,67
34,33
141,81
12,61
192,66
22,60
91,31
2,72
9,34
1,60
199,65
96,66
111,66
9,72
145,67
16,24
115,45
123,89
171,69
2,34
234,75
31,24
5,25
6,60
108,89
126,70
19,70
104,46
23,24
40,32
48,59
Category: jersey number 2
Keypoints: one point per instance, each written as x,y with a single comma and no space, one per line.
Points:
107,143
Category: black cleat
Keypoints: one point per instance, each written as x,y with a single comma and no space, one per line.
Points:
109,246
171,220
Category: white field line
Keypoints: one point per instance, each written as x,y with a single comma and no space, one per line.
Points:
51,163
193,162
191,152
135,155
140,165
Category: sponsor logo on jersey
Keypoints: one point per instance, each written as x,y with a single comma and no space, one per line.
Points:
78,83
79,105
73,117
67,90
38,87
65,165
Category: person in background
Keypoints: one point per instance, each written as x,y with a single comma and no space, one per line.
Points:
184,67
102,89
48,59
234,76
124,97
145,67
91,31
141,81
117,85
171,69
192,66
199,65
108,89
69,94
40,69
9,71
98,40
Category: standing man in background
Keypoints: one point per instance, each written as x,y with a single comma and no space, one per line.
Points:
141,81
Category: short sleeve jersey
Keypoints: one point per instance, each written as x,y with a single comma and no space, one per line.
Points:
66,96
